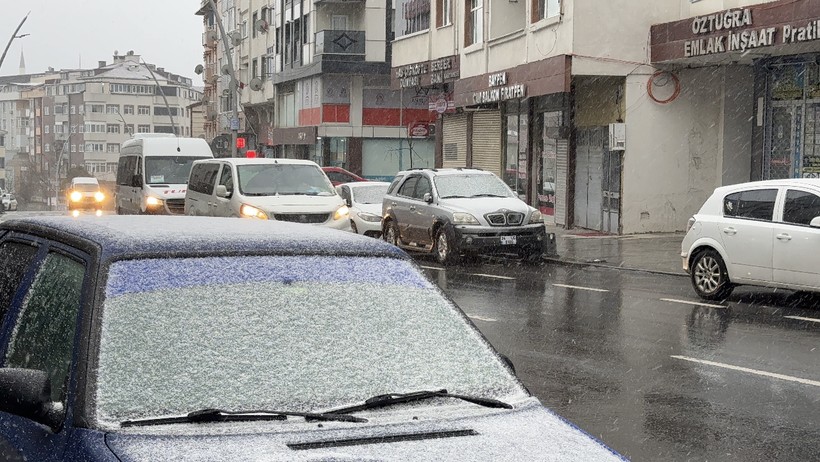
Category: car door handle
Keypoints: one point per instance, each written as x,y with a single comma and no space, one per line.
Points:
783,237
730,231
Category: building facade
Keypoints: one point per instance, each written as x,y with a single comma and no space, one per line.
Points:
614,118
314,83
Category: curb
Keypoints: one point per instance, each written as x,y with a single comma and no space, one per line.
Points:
561,261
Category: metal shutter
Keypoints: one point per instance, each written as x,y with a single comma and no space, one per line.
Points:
562,167
454,139
487,141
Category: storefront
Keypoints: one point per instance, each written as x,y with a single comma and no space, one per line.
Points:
514,123
780,42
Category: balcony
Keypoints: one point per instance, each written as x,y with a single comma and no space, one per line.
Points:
340,44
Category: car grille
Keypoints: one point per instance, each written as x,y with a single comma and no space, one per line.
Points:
175,206
310,218
504,218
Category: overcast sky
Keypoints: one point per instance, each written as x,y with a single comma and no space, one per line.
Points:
67,33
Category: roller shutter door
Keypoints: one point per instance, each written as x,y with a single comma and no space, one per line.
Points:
454,140
487,141
562,168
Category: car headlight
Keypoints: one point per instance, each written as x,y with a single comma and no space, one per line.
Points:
536,217
76,196
341,213
99,196
460,218
250,211
151,201
369,217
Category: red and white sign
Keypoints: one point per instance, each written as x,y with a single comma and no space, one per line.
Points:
441,104
418,130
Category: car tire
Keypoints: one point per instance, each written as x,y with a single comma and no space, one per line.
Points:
391,233
443,248
709,276
353,227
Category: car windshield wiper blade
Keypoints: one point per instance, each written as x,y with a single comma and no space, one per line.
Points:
488,195
221,415
454,196
390,399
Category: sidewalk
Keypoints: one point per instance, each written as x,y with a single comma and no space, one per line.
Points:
655,252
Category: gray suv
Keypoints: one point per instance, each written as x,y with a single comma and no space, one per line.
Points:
455,212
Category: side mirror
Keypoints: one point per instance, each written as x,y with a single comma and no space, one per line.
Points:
428,198
136,181
815,222
27,393
222,191
348,202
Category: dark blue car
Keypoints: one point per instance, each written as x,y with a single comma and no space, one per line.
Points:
184,338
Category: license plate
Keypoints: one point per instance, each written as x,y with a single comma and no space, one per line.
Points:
507,240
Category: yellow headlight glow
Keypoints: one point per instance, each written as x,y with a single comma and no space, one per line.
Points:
341,213
152,201
99,196
250,211
76,196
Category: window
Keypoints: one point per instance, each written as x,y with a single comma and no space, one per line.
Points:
202,178
408,187
81,147
129,128
112,128
48,129
73,148
444,12
14,259
226,178
96,108
757,204
47,148
128,109
143,129
412,16
542,9
47,110
94,147
112,108
474,27
43,336
144,110
112,147
801,207
73,110
422,187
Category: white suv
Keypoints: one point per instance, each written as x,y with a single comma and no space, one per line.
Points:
763,233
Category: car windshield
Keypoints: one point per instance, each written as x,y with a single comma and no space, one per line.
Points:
369,194
86,187
168,169
471,185
267,326
283,179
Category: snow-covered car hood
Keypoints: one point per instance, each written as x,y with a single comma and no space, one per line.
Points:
481,205
294,204
531,433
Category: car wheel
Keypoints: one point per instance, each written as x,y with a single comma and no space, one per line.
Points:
709,276
391,233
445,251
353,227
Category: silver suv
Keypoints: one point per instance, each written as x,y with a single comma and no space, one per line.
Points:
453,212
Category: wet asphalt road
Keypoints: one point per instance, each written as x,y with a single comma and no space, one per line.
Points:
633,359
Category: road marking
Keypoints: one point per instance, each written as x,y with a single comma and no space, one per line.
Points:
580,288
688,302
801,318
751,371
481,318
506,278
432,268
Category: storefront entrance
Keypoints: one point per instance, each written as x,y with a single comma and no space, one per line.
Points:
597,181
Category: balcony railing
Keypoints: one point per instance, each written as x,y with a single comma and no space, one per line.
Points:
340,42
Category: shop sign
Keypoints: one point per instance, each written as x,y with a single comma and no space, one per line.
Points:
441,104
499,90
736,40
418,130
437,71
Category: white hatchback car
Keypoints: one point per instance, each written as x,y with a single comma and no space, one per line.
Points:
365,201
763,233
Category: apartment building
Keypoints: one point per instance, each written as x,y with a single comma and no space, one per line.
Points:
614,116
314,83
79,117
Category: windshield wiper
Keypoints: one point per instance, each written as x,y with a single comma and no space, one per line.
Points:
487,195
390,399
221,415
454,196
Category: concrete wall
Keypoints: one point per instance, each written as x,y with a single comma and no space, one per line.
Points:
677,153
598,100
689,9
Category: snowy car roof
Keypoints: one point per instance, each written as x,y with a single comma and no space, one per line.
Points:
119,236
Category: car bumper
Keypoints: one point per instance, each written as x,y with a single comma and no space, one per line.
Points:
487,240
369,228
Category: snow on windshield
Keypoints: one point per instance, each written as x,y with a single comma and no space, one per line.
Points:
369,194
469,185
283,333
272,179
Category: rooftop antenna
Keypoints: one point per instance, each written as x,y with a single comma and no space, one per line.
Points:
170,116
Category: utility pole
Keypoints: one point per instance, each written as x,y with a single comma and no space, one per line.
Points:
161,92
234,84
13,36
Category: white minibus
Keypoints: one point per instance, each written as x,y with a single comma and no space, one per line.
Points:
153,171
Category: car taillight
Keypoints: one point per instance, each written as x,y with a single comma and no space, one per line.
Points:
690,223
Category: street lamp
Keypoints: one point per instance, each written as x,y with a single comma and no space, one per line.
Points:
233,86
14,36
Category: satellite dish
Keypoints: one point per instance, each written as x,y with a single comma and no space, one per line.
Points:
236,38
256,84
199,69
226,70
261,26
210,35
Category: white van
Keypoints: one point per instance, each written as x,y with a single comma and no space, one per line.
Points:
84,193
269,189
153,171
